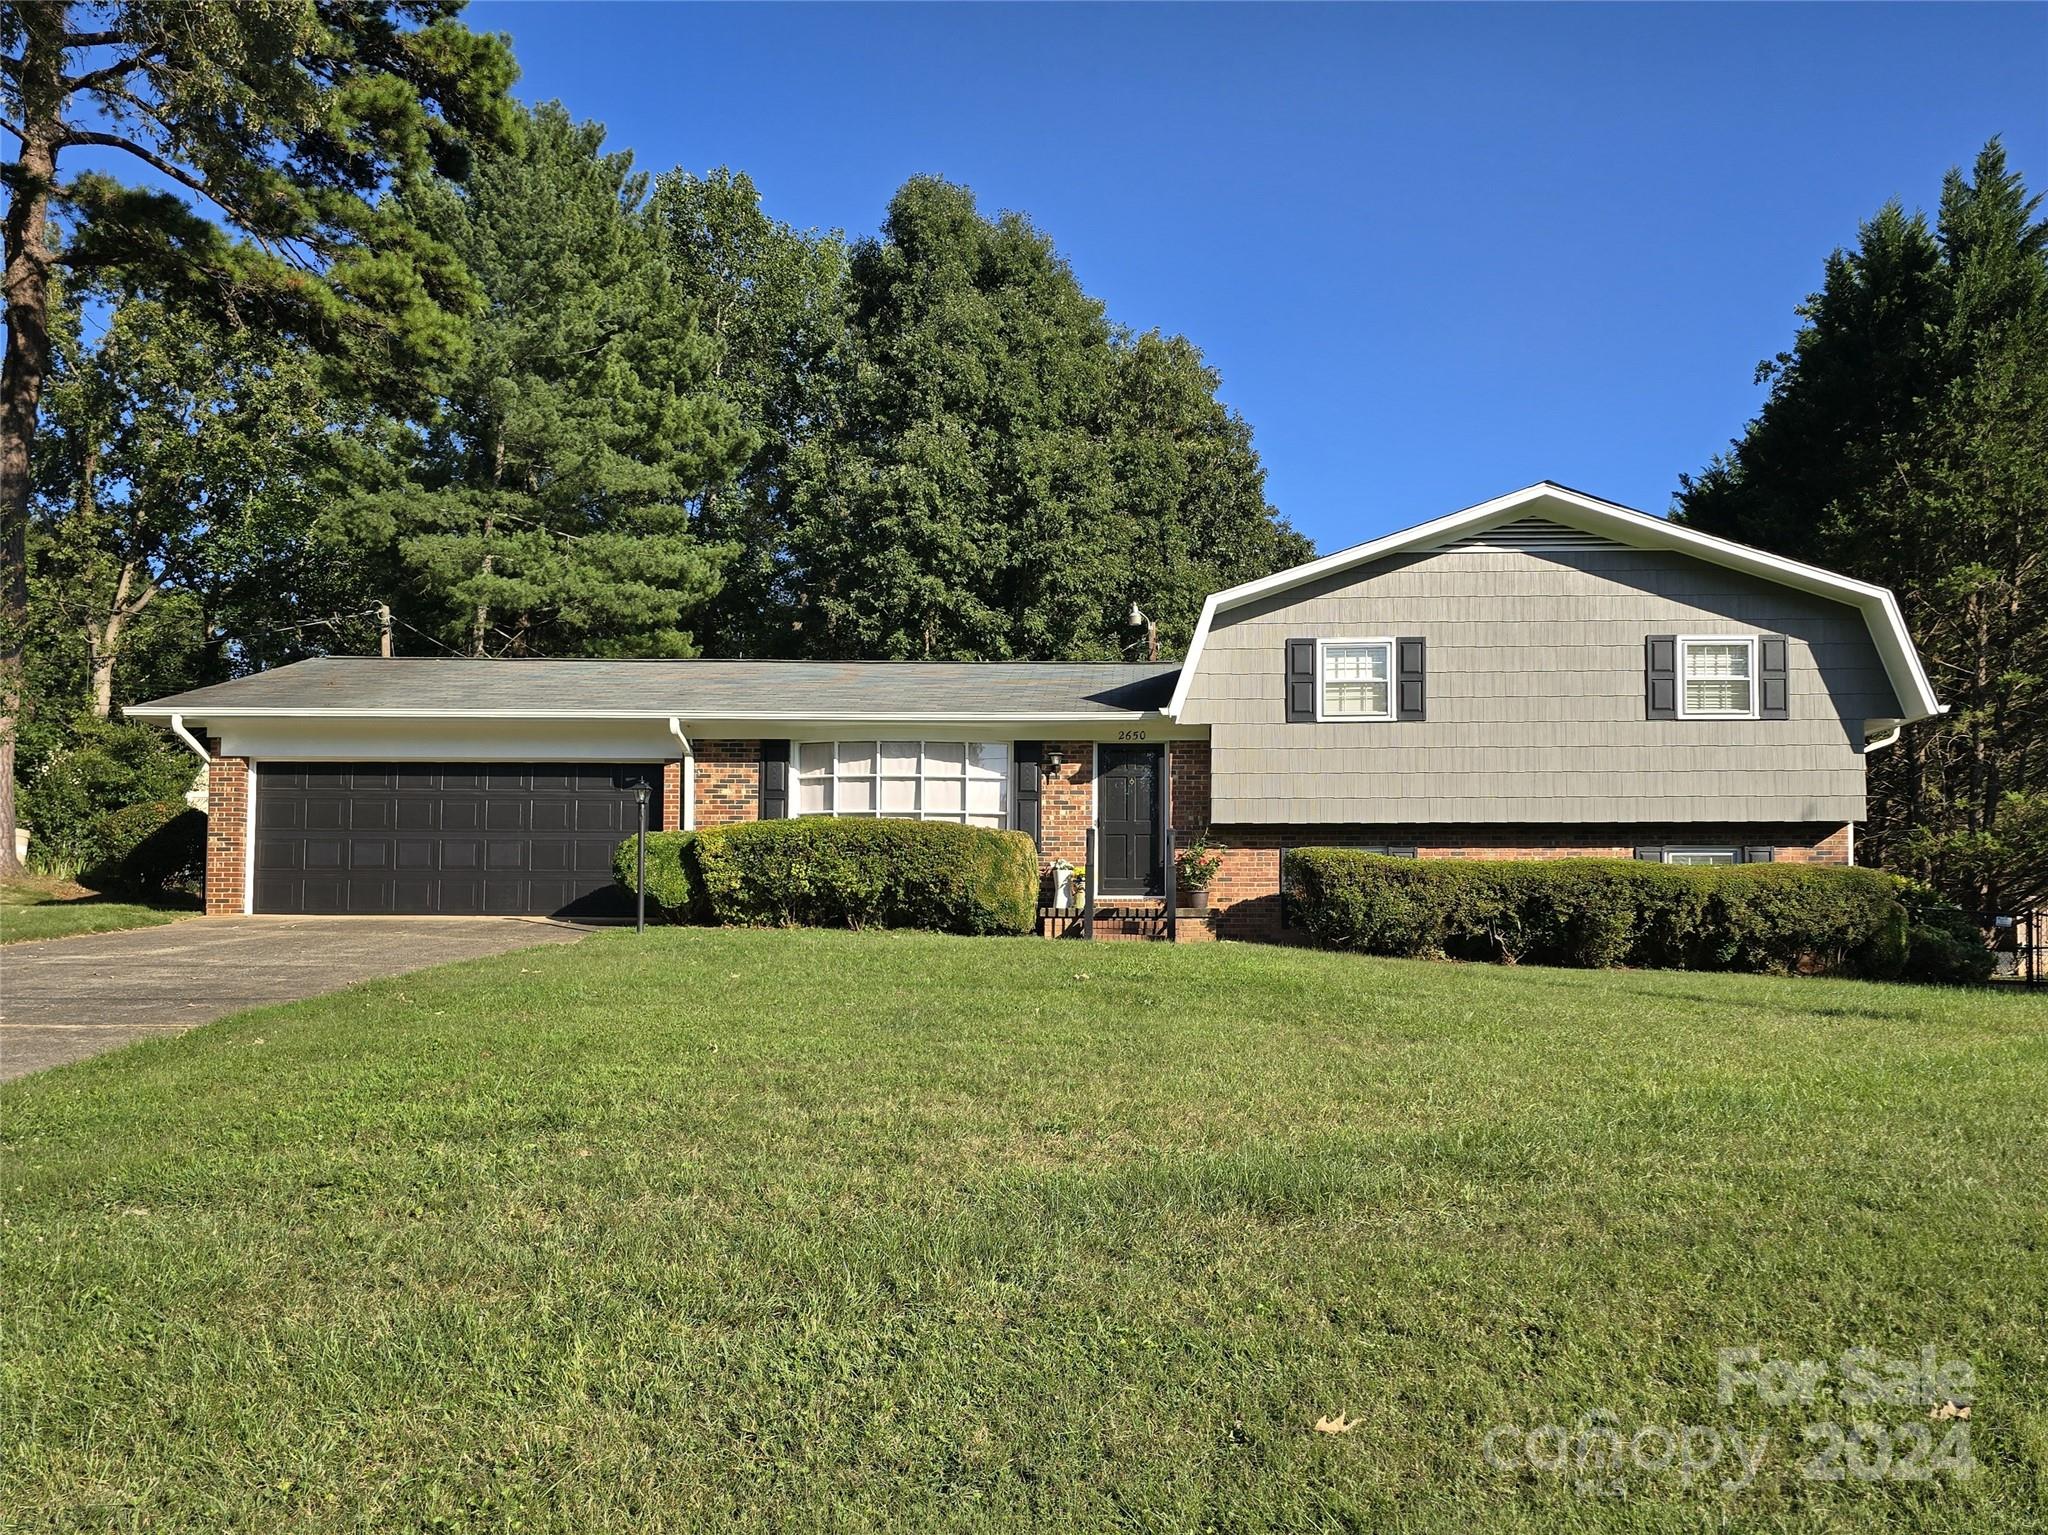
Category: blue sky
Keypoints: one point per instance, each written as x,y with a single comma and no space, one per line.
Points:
1436,252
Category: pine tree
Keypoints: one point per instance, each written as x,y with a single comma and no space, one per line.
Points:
546,507
288,120
1905,441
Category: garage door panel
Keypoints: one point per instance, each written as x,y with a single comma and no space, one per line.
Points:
445,837
283,855
372,815
369,897
368,854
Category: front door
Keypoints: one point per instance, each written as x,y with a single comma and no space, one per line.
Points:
1127,821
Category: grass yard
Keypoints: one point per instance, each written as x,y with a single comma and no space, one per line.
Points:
33,908
790,1231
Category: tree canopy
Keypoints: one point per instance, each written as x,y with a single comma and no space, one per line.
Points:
545,504
267,134
1905,440
1001,472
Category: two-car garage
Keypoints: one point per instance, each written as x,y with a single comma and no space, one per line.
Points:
449,839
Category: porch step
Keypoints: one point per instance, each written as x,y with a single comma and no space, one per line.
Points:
1126,918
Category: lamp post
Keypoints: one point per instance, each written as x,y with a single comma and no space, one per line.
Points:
640,874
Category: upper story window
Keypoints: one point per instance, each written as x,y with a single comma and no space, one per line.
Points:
1717,678
909,780
1353,680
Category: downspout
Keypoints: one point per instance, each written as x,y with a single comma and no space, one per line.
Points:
178,729
689,816
1882,741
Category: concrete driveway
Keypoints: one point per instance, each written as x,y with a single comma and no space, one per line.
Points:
64,999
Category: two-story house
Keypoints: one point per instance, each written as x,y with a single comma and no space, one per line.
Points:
1543,675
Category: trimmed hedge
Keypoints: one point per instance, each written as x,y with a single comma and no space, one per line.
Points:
148,848
675,890
1598,912
820,872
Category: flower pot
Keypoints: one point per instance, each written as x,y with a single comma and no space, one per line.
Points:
1194,900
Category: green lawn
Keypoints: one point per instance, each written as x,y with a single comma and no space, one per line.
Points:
793,1231
33,908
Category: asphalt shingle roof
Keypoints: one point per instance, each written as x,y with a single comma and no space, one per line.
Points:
701,689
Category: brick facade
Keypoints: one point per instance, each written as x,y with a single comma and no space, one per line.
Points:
672,796
227,835
1188,775
1245,895
728,783
1066,803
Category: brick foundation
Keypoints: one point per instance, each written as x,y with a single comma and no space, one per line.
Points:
227,835
1245,896
728,783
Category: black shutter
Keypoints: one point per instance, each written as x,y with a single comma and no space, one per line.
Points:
1649,855
774,780
1774,694
1759,854
1410,664
1660,676
1300,676
1025,792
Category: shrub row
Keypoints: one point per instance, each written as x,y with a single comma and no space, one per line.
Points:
1595,912
817,872
148,849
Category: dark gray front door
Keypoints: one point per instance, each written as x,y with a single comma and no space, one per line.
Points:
1127,820
457,838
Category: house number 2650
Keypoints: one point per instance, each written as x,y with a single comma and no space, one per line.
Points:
1133,735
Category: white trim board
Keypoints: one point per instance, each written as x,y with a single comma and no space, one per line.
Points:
1575,509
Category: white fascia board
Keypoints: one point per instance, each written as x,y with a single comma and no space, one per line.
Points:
1879,607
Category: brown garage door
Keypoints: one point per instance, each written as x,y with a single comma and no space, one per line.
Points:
455,839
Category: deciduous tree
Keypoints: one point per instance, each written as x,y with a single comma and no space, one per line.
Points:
283,121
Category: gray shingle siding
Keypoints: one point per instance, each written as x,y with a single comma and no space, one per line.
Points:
1536,706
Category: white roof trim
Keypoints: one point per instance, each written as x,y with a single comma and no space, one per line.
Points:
1879,607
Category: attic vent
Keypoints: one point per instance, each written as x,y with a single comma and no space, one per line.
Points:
1533,535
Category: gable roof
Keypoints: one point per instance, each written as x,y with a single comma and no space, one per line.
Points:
368,687
1556,504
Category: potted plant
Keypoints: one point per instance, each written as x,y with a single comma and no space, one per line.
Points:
1193,867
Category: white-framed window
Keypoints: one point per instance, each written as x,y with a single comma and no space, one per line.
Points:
1716,677
905,780
1354,679
1703,855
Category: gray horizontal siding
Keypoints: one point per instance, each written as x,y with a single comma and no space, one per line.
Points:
1536,698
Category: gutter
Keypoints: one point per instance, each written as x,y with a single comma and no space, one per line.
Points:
198,746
